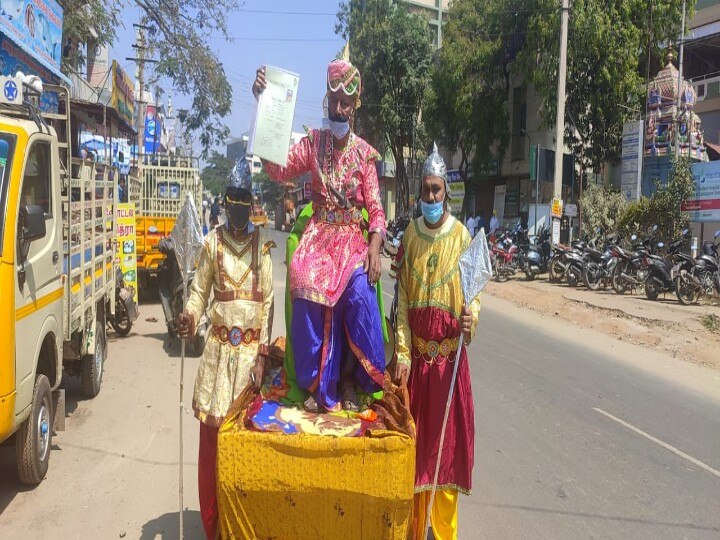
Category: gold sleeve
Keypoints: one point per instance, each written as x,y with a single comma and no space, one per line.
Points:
201,284
475,310
266,286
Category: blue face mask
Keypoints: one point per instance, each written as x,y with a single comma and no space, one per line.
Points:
432,212
339,129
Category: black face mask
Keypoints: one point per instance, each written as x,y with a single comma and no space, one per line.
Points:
238,216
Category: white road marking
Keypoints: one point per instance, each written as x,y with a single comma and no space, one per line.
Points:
657,441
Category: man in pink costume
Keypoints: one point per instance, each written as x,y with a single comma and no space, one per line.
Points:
334,270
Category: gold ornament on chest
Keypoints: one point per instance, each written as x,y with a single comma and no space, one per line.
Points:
432,263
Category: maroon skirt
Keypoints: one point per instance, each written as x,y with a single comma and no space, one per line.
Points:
429,385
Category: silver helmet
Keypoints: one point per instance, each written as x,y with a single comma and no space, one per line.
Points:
435,166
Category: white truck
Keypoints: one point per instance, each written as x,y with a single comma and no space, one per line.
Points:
57,271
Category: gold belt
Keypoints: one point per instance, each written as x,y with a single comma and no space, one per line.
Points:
433,349
338,216
236,335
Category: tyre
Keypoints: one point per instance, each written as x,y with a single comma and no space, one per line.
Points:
573,278
592,279
555,270
121,322
34,438
619,283
687,294
530,275
500,275
651,290
92,365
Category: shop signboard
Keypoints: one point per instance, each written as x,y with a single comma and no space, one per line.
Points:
127,240
704,206
123,94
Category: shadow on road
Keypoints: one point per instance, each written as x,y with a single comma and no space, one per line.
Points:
167,527
10,486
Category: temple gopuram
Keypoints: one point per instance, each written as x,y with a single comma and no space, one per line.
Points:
660,125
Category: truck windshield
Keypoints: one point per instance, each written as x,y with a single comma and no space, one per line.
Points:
7,150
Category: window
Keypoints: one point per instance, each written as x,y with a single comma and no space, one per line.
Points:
519,120
36,188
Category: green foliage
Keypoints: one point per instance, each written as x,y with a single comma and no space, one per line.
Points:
606,67
601,208
664,207
215,175
179,39
272,192
392,49
466,102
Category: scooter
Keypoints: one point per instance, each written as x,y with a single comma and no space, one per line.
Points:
699,276
125,308
170,287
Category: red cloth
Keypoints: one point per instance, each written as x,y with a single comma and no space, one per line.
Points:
207,479
428,385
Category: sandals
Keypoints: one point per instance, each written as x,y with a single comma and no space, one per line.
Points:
311,404
350,400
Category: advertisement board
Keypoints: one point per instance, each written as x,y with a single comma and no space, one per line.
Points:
123,93
127,249
153,130
36,27
14,59
457,192
632,147
705,204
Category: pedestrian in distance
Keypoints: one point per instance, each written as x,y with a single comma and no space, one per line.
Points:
470,224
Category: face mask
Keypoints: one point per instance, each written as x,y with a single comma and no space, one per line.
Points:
238,216
339,128
432,212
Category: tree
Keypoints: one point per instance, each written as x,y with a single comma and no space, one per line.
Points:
466,102
179,36
608,44
391,48
216,174
601,208
272,192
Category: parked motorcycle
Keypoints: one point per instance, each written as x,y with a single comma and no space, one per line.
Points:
170,287
661,271
535,258
600,266
394,235
700,276
504,257
125,307
631,271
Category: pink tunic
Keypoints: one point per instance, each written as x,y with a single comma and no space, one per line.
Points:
332,246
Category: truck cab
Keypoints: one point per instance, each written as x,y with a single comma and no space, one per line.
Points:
56,276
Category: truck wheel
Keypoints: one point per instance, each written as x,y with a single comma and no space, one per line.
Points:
34,437
92,365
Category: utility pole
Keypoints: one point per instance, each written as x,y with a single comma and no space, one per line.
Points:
680,79
140,60
560,121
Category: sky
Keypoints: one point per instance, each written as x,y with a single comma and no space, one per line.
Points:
295,35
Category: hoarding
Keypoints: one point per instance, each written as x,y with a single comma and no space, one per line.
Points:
127,245
123,93
632,148
36,27
705,204
14,59
153,130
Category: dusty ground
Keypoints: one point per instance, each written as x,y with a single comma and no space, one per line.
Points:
663,325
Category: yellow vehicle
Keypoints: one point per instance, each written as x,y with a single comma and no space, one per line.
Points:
164,181
57,281
259,217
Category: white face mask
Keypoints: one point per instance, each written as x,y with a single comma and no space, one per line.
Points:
339,129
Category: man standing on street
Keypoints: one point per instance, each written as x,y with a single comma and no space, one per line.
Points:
470,224
235,265
432,319
494,223
480,223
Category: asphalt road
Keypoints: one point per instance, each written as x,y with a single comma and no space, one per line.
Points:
577,436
